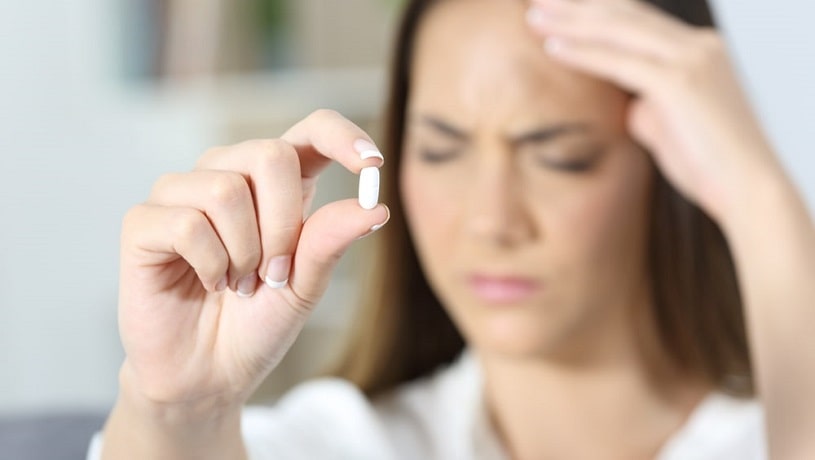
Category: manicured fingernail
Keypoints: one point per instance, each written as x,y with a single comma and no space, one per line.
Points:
367,150
221,284
377,226
535,16
371,231
277,273
246,285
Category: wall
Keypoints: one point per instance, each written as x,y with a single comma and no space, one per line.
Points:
74,154
772,43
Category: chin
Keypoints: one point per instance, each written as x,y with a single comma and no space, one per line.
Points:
517,335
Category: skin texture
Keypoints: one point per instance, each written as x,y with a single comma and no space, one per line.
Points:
561,367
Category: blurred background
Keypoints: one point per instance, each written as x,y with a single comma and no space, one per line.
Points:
100,97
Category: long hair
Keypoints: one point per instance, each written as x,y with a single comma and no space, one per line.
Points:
403,332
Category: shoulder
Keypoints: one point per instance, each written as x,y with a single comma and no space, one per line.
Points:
441,415
318,419
331,418
427,397
721,428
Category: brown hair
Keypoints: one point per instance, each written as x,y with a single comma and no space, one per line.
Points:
403,332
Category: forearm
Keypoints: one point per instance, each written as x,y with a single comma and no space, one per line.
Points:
773,241
138,429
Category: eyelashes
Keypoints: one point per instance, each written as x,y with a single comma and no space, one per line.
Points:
585,164
437,156
569,166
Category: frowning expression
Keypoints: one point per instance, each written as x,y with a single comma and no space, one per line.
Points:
526,199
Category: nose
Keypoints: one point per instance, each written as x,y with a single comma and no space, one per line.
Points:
498,214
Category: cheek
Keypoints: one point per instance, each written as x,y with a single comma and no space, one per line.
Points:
429,208
603,229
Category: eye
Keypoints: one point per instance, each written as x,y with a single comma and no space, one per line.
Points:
570,166
437,156
569,162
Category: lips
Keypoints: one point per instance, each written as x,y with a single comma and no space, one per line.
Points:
503,289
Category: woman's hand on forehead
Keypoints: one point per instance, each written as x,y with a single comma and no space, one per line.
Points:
689,110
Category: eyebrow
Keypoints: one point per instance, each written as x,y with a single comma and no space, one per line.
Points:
444,127
537,135
548,133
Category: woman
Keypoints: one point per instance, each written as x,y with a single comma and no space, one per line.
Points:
541,239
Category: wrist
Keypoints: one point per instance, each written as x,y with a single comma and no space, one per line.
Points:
179,414
765,196
140,427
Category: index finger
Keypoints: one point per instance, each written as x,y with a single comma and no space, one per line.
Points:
634,26
326,136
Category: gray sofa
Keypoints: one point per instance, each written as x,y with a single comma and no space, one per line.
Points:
48,436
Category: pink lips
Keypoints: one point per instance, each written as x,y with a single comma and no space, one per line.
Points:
493,289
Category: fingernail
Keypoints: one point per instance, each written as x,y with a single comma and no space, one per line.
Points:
246,285
535,16
377,226
367,150
221,285
277,273
371,231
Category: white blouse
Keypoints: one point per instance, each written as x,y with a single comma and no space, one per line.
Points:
442,417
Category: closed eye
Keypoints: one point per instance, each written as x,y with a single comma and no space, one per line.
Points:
569,166
437,156
577,164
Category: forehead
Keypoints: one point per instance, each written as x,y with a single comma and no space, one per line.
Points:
476,59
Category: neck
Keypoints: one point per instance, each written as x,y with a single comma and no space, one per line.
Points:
604,403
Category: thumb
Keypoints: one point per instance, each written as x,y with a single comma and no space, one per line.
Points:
324,238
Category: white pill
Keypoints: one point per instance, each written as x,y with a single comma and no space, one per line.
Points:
369,187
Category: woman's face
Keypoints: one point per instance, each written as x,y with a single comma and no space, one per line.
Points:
526,200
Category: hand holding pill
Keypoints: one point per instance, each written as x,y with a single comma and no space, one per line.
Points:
220,267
